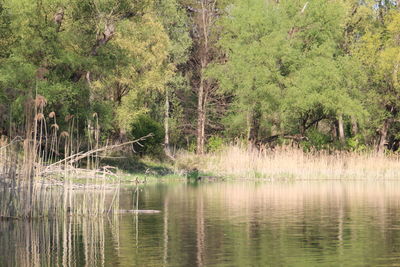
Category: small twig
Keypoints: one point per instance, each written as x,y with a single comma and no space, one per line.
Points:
304,8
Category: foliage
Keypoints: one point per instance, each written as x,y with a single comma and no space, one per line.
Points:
215,143
316,140
298,76
356,143
143,126
325,70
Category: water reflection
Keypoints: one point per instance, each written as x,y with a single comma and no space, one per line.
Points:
62,242
223,224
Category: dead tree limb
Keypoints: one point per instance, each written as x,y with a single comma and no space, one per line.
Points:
80,155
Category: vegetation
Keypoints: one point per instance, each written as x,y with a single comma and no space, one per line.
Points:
320,73
288,164
81,78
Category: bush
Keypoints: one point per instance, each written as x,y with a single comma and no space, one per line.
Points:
152,146
316,140
356,144
214,143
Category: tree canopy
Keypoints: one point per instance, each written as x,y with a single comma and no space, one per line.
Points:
256,70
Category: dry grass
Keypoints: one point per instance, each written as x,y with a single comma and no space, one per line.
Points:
38,170
291,163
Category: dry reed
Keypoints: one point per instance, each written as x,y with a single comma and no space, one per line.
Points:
37,179
291,163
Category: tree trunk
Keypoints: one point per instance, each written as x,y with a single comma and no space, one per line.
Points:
201,102
341,129
204,20
334,131
166,125
354,126
383,135
200,118
254,124
248,125
203,128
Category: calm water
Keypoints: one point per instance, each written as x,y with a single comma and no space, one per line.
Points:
224,224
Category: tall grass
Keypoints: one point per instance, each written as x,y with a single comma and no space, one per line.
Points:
38,170
49,195
239,161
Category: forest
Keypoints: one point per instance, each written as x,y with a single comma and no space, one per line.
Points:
197,74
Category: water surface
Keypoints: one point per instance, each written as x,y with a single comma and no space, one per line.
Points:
223,224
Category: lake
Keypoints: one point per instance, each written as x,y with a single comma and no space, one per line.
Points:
314,223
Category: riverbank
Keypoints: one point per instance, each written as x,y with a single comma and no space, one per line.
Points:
48,190
287,163
283,163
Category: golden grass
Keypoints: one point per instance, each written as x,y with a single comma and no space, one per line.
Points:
291,163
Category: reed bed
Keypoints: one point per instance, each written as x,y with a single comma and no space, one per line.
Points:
39,170
239,161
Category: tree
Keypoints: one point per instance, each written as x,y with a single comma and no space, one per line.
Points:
176,24
87,57
379,51
285,67
204,15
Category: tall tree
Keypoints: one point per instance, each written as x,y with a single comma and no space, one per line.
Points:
204,14
379,50
285,67
87,56
176,22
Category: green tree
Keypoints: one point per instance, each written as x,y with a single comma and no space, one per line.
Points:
98,56
285,67
176,24
379,51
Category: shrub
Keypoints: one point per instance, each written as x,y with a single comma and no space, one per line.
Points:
152,146
214,143
316,140
356,143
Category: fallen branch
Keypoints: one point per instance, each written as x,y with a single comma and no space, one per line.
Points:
80,155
